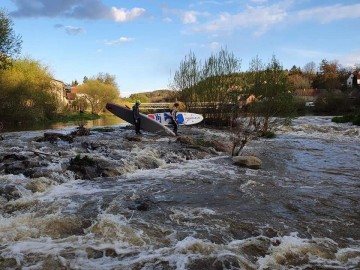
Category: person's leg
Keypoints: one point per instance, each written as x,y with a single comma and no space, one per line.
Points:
138,126
175,128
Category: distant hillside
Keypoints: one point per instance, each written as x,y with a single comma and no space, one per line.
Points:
162,95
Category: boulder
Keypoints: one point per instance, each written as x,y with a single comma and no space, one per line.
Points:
185,140
251,162
220,146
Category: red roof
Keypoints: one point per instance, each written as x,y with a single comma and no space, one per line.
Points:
307,92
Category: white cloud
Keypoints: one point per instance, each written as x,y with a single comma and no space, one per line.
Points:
186,16
119,41
78,9
260,17
123,15
329,13
189,17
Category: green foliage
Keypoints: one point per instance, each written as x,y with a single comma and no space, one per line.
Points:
98,94
269,85
26,92
350,118
10,43
140,96
163,95
73,117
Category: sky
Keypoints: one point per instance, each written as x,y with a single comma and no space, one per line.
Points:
143,42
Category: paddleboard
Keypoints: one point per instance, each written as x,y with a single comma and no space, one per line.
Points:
147,123
183,118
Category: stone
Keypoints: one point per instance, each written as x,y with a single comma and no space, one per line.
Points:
251,162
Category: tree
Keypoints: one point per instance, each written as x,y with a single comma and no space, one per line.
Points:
74,83
186,78
328,75
106,79
98,94
309,72
269,86
213,85
299,81
140,96
26,92
10,43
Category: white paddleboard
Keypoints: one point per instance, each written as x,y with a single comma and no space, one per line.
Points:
147,123
183,118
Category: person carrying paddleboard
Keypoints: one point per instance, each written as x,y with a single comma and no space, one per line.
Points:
136,115
173,116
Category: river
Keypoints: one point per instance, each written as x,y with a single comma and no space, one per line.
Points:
163,205
105,120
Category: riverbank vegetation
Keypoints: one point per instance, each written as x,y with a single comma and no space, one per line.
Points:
350,118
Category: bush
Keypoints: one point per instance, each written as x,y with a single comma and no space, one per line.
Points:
351,118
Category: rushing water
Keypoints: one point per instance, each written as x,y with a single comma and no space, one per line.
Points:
166,206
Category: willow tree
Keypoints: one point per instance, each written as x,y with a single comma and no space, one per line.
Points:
98,93
26,92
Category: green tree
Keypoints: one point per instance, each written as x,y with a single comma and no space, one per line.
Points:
10,43
26,91
98,94
140,96
269,86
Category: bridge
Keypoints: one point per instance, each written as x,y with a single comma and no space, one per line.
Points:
157,106
194,105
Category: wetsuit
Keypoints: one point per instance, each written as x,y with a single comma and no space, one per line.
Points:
174,122
136,115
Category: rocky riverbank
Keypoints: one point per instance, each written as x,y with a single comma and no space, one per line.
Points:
48,158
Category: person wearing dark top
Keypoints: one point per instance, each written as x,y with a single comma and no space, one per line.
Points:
173,117
136,115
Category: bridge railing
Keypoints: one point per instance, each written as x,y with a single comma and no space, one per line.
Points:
156,106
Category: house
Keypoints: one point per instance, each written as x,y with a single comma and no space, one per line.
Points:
308,95
58,89
354,79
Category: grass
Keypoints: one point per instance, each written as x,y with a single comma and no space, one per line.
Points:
73,117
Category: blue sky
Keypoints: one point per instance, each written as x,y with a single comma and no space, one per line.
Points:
142,42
